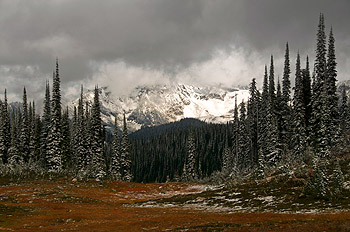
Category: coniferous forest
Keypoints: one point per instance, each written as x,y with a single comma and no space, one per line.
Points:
278,128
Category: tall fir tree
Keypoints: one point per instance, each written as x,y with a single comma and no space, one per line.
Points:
306,79
332,98
46,121
54,145
286,128
243,138
14,156
299,135
235,132
6,127
126,154
344,112
272,90
66,141
263,112
279,117
318,86
25,130
116,159
189,172
96,142
253,120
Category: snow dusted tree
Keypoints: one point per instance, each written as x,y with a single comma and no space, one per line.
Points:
54,138
343,112
243,138
299,135
337,179
317,185
226,159
116,159
253,120
318,86
2,137
235,131
98,161
261,165
81,135
272,90
35,134
14,156
74,139
262,115
5,129
46,121
89,136
66,140
279,118
306,79
24,136
271,152
286,128
189,172
125,154
332,99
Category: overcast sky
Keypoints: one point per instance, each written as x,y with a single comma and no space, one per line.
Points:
125,43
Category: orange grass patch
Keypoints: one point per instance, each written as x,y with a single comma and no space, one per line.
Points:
66,206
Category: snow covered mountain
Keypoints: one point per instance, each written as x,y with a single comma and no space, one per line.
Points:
155,105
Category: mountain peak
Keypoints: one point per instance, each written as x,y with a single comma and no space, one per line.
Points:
159,104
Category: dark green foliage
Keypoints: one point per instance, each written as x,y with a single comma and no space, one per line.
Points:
98,161
25,132
54,138
299,135
115,169
125,154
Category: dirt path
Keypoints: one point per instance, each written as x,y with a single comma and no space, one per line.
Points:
67,206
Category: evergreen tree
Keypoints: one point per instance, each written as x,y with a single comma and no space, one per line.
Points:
5,127
318,85
253,120
14,153
263,112
261,165
344,112
46,121
54,143
125,154
89,137
96,142
317,185
25,132
299,135
235,135
116,159
272,90
306,79
226,159
243,139
2,137
66,140
189,172
337,179
332,99
81,143
279,117
285,121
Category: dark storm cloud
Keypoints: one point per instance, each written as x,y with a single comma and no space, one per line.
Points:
163,36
